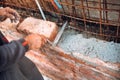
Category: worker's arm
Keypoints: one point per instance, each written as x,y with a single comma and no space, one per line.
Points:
11,53
9,13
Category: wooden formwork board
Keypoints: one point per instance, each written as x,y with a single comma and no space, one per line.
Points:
58,65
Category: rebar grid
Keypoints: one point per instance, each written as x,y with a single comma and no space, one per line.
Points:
97,17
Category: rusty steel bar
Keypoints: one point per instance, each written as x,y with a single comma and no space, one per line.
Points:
118,4
73,8
88,9
63,3
63,8
78,6
100,17
118,28
93,32
105,12
68,7
83,13
104,17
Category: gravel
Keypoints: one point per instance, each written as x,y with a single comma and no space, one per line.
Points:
72,42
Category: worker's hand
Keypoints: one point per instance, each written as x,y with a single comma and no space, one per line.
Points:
10,13
35,41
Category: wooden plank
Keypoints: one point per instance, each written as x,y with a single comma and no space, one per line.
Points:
52,62
58,65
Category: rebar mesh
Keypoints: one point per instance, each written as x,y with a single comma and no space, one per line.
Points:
98,17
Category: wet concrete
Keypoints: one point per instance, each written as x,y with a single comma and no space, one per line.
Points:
73,41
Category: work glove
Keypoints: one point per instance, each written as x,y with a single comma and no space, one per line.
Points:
35,41
10,13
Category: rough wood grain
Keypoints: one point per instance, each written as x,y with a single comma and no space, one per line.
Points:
59,66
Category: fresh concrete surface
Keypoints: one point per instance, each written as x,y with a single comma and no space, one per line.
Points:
72,42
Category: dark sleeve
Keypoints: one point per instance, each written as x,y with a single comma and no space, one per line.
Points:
11,53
